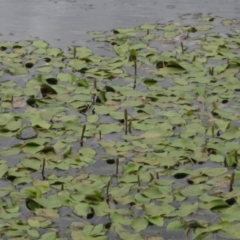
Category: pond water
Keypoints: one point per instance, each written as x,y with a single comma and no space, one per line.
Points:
61,22
66,22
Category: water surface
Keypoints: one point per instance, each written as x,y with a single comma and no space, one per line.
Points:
61,22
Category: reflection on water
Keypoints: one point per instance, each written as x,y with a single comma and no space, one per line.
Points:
62,21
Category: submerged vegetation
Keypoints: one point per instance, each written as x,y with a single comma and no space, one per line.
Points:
141,143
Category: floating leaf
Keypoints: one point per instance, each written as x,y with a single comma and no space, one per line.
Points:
45,69
82,209
40,44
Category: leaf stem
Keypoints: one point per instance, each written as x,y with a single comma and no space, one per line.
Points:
194,58
43,169
12,102
129,127
135,83
126,121
152,177
182,47
236,156
231,181
213,132
135,67
74,52
117,165
82,136
108,186
139,182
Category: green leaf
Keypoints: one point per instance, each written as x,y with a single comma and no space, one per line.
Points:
45,69
67,151
77,64
119,218
82,209
231,133
158,221
153,192
3,169
192,191
227,22
184,143
175,224
97,230
139,223
201,90
40,44
131,167
83,52
87,230
33,233
107,128
48,236
186,209
87,152
213,172
38,121
148,26
33,223
5,118
92,118
50,202
231,214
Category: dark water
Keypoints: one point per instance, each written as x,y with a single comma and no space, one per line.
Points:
60,22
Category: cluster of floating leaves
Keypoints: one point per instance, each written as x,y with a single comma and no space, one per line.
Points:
142,143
